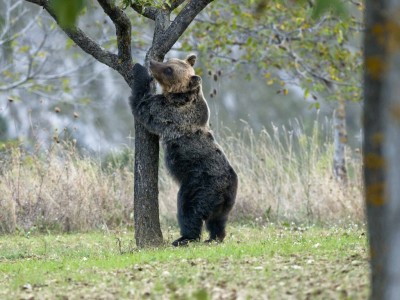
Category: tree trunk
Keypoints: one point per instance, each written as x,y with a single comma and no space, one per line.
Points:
374,177
392,157
146,212
340,140
391,149
382,145
146,206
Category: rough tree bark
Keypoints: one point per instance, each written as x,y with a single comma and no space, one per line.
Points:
340,140
166,33
382,145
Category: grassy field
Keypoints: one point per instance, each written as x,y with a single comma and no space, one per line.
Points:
285,177
253,263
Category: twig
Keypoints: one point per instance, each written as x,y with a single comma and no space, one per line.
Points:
82,40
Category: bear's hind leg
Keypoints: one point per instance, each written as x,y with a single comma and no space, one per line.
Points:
216,227
216,223
190,226
189,219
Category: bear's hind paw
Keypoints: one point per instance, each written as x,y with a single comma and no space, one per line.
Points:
213,241
182,241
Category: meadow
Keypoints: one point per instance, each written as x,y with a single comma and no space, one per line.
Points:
262,262
295,232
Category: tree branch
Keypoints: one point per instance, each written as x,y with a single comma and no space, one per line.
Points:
148,12
122,27
82,40
175,4
165,41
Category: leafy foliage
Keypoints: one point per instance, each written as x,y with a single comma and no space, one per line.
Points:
67,11
322,6
310,44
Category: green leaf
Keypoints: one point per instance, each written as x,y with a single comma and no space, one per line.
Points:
306,93
69,43
323,6
67,11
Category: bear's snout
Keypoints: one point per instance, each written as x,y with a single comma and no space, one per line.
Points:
155,67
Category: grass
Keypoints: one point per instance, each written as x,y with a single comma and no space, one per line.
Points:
271,262
284,176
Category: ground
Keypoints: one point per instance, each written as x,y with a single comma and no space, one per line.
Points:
269,262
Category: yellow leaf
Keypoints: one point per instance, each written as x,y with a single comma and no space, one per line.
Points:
24,49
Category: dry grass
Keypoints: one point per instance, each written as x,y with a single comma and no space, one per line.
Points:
284,177
287,176
62,190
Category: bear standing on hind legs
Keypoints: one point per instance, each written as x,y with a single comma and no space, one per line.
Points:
180,115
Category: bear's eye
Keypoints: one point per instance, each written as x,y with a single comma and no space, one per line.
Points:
168,71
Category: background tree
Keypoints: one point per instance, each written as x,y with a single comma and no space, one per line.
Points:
382,145
166,33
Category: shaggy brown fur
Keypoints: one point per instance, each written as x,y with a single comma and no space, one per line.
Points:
180,116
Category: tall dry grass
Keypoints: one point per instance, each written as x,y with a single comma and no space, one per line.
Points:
285,176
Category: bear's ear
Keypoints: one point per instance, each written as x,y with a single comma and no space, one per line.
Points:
195,82
191,59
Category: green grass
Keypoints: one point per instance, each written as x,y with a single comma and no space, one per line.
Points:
253,262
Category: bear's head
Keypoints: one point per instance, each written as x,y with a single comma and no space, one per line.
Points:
176,75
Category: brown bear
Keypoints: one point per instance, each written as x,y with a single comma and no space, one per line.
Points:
180,116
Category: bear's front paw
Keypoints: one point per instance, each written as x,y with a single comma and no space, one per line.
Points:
138,68
140,73
142,79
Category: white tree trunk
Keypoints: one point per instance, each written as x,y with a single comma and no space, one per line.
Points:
340,140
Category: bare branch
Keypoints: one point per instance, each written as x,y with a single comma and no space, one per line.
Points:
20,32
83,41
148,12
29,72
123,29
165,41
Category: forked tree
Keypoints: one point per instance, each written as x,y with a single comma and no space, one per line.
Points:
166,33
